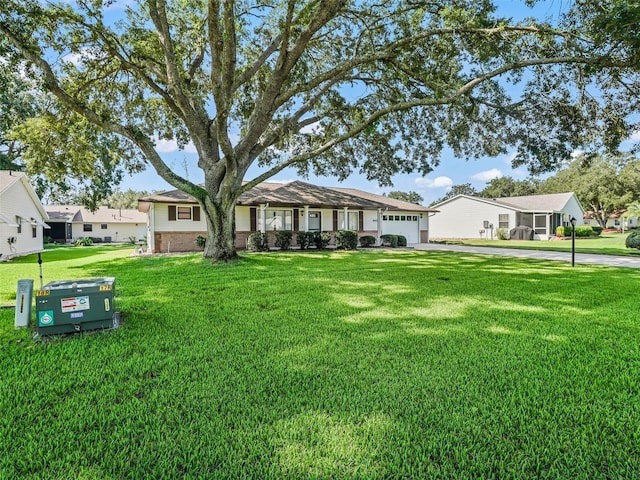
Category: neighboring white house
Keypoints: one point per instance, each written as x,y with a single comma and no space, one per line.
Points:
70,222
175,220
22,216
617,220
465,216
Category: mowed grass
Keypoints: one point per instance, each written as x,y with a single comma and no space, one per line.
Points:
605,244
343,365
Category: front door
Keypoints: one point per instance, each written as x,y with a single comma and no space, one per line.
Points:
314,221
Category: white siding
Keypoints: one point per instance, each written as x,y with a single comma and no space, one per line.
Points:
16,201
370,220
464,218
243,218
163,224
119,232
573,209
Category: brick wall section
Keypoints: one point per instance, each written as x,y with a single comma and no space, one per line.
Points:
186,241
176,241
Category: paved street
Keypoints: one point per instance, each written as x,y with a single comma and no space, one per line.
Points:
581,258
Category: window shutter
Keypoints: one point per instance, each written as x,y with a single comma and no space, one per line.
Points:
172,212
296,219
196,214
335,220
253,222
361,220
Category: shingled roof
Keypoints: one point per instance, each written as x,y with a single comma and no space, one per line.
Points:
78,213
297,193
389,203
551,202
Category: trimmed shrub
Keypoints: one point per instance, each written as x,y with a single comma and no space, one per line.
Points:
502,234
581,231
305,240
584,231
258,242
283,239
201,241
367,241
84,242
402,241
597,230
389,240
321,239
347,239
633,240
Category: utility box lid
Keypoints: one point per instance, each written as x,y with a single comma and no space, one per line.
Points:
75,305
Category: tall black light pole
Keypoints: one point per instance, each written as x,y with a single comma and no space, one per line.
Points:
573,241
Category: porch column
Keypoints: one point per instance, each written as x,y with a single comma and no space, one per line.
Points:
306,218
346,218
263,217
379,222
151,241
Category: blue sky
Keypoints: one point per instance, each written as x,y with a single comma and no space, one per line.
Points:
451,171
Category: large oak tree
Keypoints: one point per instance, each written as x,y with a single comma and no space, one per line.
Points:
328,86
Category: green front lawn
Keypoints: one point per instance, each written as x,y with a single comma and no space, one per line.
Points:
354,365
607,243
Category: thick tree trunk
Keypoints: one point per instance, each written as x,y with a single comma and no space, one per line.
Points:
221,229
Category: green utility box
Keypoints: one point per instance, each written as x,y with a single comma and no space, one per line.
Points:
76,305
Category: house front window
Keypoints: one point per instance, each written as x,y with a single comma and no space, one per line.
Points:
103,226
352,221
503,220
183,213
87,227
34,231
278,219
19,222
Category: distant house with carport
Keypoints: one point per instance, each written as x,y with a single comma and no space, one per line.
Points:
175,219
22,216
70,222
465,216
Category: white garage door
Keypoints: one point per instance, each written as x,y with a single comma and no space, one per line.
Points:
407,225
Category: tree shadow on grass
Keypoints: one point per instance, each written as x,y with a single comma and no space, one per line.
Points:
405,365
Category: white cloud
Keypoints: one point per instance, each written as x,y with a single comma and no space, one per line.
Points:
635,137
73,58
438,182
315,127
487,175
508,158
168,146
284,182
577,153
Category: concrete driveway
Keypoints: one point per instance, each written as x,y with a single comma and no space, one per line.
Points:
581,258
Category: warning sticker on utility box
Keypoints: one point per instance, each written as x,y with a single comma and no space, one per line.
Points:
73,304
